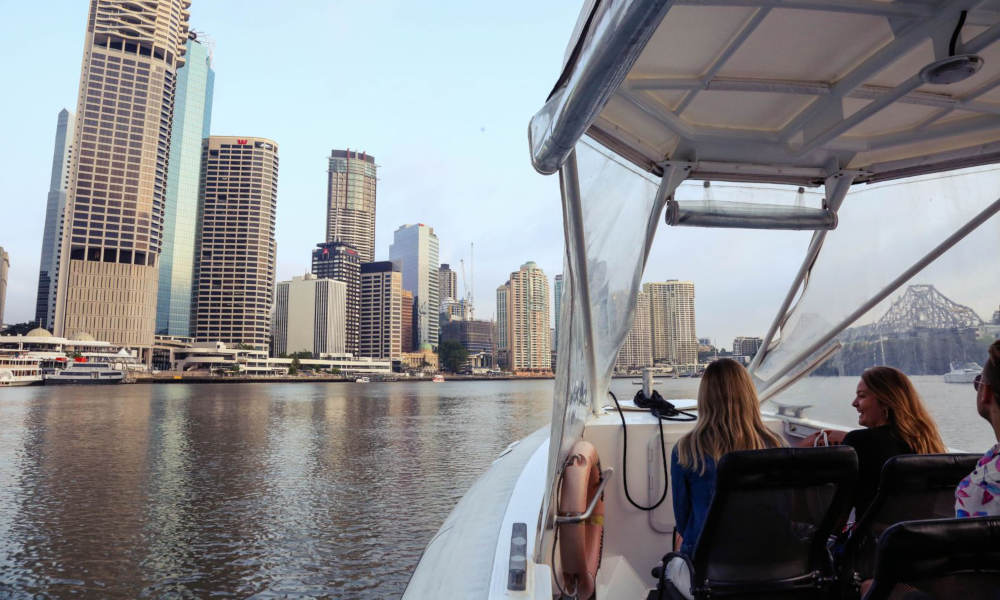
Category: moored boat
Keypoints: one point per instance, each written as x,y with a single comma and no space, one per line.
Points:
17,370
438,378
86,373
654,93
362,380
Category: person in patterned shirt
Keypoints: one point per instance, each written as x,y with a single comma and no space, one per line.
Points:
978,495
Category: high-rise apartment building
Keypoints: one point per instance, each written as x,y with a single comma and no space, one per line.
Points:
447,284
381,310
4,267
341,261
503,348
636,351
309,316
113,224
406,321
747,346
415,250
672,324
557,290
48,268
192,119
350,201
528,335
235,247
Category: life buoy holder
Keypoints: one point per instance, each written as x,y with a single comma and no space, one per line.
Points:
580,544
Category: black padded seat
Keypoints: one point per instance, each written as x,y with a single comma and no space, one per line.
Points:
943,559
766,532
911,487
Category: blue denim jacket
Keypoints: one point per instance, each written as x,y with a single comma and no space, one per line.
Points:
692,495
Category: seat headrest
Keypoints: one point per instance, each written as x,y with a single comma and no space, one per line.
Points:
926,548
784,467
911,472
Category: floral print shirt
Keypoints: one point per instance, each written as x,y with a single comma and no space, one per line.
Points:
978,495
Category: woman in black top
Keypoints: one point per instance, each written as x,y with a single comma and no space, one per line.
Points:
895,422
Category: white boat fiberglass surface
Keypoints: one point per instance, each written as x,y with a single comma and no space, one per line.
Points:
886,113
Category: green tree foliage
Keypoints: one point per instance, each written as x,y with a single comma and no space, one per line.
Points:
452,355
20,328
293,369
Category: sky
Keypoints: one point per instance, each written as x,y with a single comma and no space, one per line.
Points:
439,93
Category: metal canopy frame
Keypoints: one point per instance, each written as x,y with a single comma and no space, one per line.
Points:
820,138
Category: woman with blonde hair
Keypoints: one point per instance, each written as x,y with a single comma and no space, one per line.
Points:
895,422
728,420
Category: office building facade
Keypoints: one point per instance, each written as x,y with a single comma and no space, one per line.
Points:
502,347
636,351
341,261
406,321
447,284
475,336
381,310
113,226
48,267
309,316
350,201
672,322
415,250
528,334
747,346
192,119
235,247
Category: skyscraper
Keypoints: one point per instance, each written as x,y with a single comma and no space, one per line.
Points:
309,316
637,349
415,250
341,261
4,267
381,310
672,324
350,201
447,284
528,320
557,289
192,117
406,321
235,248
503,348
113,227
48,269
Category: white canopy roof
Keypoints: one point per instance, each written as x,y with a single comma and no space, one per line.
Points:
778,90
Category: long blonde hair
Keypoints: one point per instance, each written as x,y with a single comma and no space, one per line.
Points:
728,417
906,414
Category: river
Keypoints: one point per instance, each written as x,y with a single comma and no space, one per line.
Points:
273,490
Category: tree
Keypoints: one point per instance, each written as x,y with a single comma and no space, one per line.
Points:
293,369
20,328
452,355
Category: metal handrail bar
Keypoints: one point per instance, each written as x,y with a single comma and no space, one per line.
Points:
569,518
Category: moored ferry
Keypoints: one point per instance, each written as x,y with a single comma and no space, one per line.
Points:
888,110
19,370
86,373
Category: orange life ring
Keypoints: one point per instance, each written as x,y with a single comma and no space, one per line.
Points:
580,543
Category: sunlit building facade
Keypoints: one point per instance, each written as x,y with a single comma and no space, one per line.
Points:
415,250
447,284
113,228
528,334
341,261
350,198
192,120
235,247
672,323
636,351
48,267
309,316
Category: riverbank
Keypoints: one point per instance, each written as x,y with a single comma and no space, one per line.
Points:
183,378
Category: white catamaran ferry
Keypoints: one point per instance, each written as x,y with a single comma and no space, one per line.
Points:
19,370
891,111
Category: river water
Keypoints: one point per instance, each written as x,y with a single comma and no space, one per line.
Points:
275,490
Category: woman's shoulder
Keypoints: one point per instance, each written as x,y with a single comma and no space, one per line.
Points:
880,437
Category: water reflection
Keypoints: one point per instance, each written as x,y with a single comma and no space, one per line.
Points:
239,490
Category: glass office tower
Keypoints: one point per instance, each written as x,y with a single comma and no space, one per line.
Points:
192,119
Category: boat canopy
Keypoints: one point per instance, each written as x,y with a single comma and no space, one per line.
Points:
812,93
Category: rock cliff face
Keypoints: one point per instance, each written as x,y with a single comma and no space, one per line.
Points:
916,352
